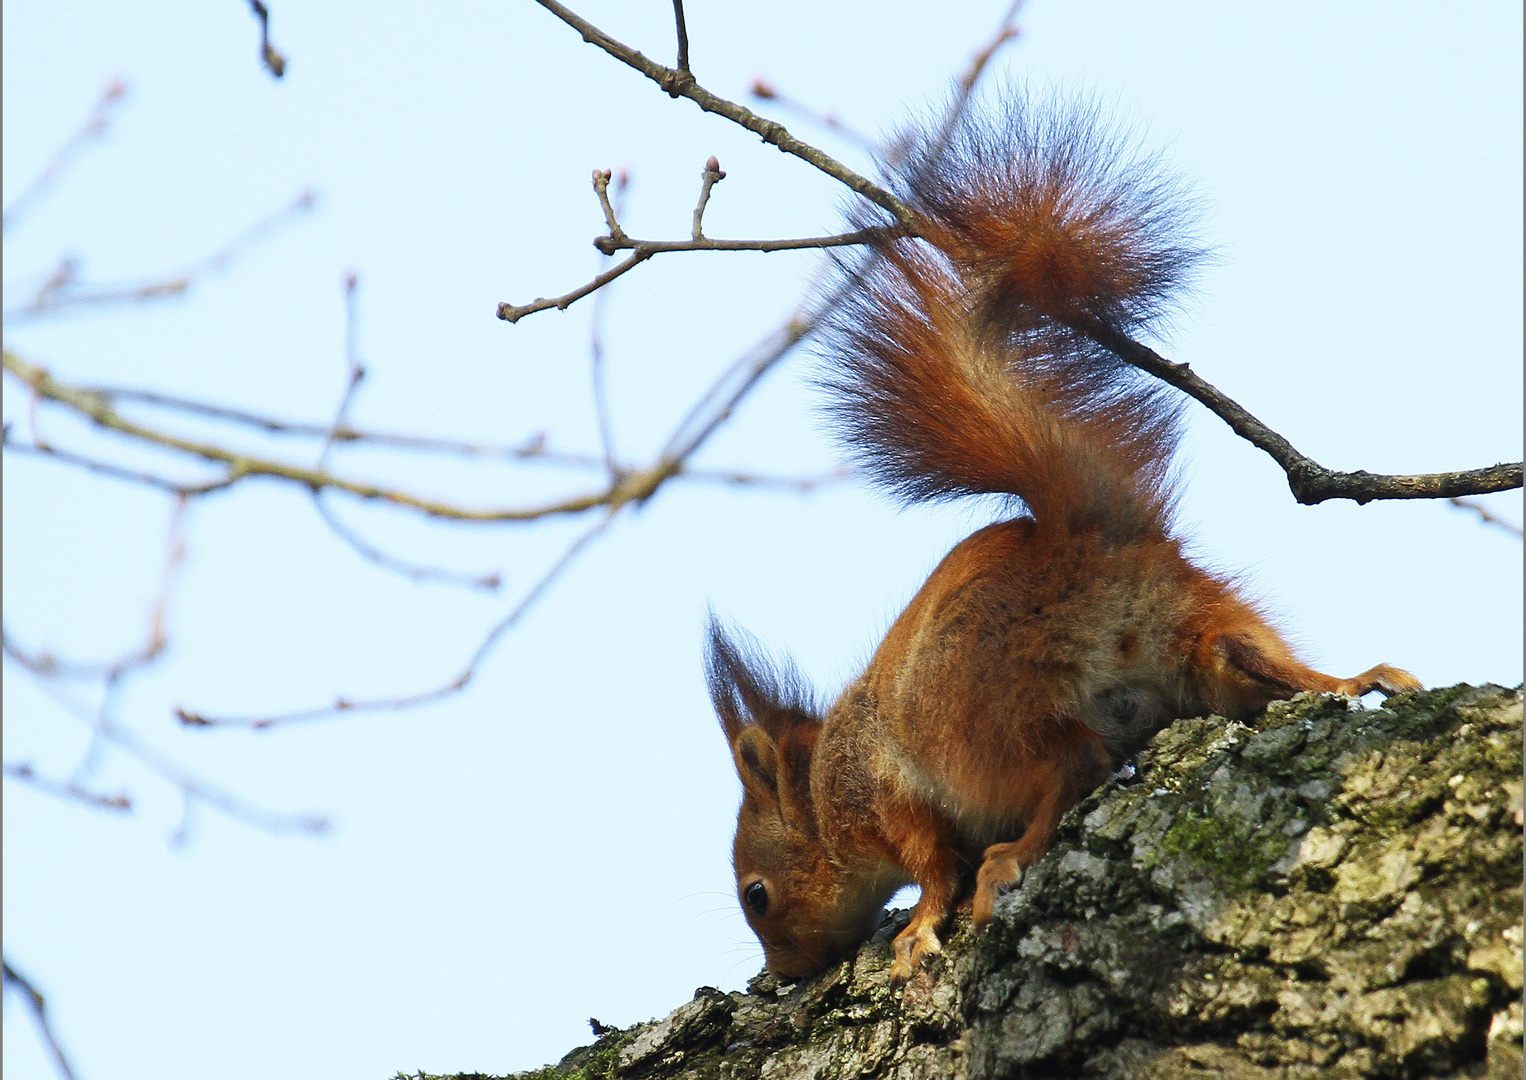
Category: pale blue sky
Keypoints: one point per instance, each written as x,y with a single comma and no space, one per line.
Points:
553,844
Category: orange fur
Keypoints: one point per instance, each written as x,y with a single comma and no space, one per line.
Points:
1044,650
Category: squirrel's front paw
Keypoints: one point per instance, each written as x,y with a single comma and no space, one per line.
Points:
911,945
996,876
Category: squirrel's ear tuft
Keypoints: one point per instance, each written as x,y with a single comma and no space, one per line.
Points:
748,688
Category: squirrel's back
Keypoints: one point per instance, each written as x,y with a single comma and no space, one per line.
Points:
959,362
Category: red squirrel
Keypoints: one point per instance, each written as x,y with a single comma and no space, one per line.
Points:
1046,649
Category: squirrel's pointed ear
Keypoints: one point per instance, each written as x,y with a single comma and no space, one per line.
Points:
757,762
748,688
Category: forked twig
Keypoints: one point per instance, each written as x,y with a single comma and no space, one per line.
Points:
94,127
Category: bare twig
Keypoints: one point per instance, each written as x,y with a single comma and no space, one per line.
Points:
709,178
489,582
641,250
356,372
14,980
62,289
512,314
46,665
678,83
94,127
596,326
1006,31
683,35
190,786
601,179
66,789
1486,516
107,468
439,693
872,235
274,62
764,90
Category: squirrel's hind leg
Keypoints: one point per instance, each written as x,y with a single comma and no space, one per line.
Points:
1003,865
1263,662
1050,787
1388,680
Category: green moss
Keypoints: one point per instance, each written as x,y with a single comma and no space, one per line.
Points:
1233,857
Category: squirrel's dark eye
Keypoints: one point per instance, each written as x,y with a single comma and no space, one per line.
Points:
755,896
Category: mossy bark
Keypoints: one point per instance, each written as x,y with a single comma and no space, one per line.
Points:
1329,891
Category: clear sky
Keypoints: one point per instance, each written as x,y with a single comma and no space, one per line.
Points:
553,844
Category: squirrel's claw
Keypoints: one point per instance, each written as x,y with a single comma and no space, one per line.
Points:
911,946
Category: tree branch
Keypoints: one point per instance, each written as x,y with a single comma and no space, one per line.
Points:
1310,482
642,250
1486,517
66,789
93,128
39,1006
449,689
241,466
681,83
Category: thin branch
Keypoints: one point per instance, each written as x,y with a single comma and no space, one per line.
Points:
678,83
439,693
683,36
512,314
355,374
708,179
14,980
716,406
713,409
764,90
533,450
45,665
356,371
1006,31
490,582
641,250
274,62
94,127
66,789
875,234
1310,482
106,468
62,290
190,786
1486,516
601,178
241,466
596,326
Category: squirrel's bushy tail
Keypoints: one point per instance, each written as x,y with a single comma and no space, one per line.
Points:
960,363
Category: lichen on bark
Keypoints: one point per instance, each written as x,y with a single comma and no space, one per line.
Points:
1328,891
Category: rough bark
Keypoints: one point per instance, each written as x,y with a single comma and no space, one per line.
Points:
1330,891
